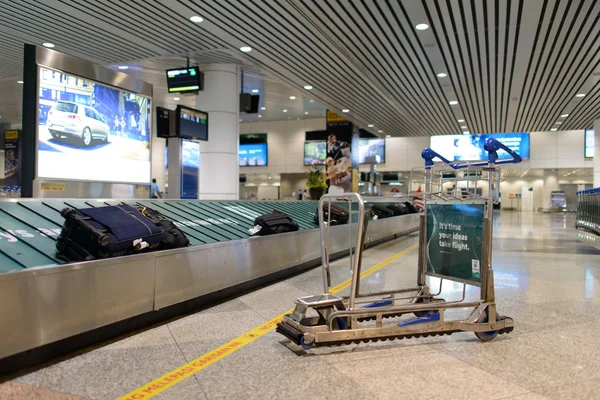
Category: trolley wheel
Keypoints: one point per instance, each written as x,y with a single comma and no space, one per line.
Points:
487,336
423,314
305,345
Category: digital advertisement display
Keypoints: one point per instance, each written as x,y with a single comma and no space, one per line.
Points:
253,155
371,151
470,147
88,131
192,124
589,143
190,168
315,153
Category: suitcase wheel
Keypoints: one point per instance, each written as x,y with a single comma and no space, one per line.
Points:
103,240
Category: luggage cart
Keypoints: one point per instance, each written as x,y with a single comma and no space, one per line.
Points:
455,244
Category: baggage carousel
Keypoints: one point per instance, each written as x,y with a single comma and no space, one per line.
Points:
45,301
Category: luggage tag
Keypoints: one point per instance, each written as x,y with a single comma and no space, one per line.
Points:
255,230
139,244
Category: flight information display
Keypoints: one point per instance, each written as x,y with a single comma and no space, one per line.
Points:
182,80
589,143
470,147
191,124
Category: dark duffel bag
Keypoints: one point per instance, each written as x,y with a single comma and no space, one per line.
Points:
173,237
339,215
104,232
275,222
398,209
411,207
381,211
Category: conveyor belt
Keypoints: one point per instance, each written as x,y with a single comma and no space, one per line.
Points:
29,227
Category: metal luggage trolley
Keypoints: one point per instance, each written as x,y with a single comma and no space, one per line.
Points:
455,243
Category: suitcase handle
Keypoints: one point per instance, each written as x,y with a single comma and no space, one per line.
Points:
103,239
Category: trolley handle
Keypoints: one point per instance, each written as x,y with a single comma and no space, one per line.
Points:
492,146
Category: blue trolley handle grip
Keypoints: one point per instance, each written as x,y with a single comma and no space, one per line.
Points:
428,155
492,146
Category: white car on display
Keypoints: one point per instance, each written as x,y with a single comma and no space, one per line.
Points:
82,122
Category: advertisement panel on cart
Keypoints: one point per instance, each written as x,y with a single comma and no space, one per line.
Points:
91,132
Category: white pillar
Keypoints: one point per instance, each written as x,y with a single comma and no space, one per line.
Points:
550,184
597,153
219,165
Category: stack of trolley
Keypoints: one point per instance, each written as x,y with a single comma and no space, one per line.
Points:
588,210
455,244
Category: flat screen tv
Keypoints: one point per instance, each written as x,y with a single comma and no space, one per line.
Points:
470,147
371,151
191,124
254,155
315,153
184,80
90,131
589,143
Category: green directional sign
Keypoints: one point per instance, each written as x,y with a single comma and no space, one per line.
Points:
455,240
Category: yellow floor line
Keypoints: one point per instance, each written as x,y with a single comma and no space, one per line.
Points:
172,378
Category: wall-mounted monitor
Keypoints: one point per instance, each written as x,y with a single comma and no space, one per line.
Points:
184,80
191,124
589,143
88,131
254,155
315,153
470,147
371,151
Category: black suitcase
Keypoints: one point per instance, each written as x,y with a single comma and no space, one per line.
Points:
398,209
173,237
339,215
275,222
381,211
411,207
104,232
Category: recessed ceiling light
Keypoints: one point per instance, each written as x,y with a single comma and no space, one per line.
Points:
254,90
345,110
554,129
379,131
580,95
21,82
453,102
442,75
246,49
461,120
466,133
388,135
305,112
464,127
240,120
311,101
48,45
564,115
263,108
422,27
176,98
370,125
558,122
197,19
284,110
259,116
308,87
292,97
123,67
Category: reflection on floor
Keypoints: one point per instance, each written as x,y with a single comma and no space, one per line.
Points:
547,277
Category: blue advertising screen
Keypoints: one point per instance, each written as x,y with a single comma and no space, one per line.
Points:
470,147
253,155
371,151
88,131
589,143
190,167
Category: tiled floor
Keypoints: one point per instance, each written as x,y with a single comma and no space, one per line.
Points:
547,278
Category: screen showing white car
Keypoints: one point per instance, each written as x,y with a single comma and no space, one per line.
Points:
91,132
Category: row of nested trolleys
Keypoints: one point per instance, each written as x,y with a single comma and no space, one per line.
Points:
588,210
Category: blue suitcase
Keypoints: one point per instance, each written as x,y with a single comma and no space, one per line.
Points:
104,232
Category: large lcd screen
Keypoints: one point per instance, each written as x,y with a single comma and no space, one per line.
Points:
470,147
191,124
589,143
88,131
315,153
371,151
183,80
253,155
190,167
